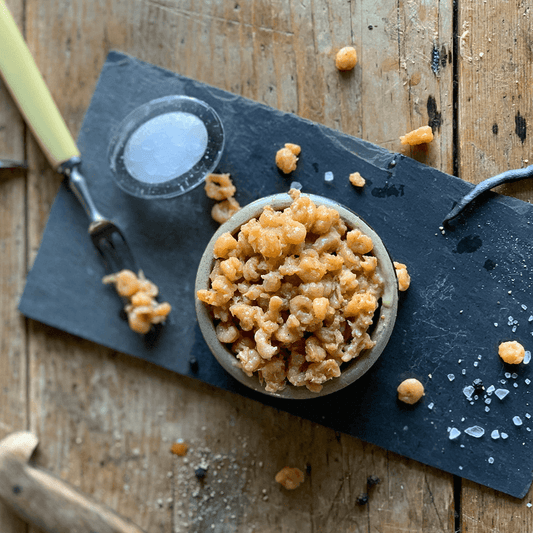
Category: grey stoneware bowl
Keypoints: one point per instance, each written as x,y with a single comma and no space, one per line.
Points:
385,314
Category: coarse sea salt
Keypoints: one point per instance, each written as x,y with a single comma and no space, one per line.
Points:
501,393
468,391
517,421
328,176
504,435
527,358
454,433
491,389
495,434
490,460
475,431
451,377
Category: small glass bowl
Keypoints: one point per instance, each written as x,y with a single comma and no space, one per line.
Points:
165,178
385,315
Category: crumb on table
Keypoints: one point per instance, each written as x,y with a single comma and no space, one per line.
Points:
511,352
179,448
289,477
346,58
421,135
224,210
220,187
287,157
357,180
410,391
404,279
142,308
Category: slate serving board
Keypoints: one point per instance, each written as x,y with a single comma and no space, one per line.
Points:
466,282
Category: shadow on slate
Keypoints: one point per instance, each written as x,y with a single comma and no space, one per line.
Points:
470,288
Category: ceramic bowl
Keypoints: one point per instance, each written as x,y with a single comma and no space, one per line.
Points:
385,315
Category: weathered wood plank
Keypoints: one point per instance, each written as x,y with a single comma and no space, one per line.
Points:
494,110
495,71
106,421
13,356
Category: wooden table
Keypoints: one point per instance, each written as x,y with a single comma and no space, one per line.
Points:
106,421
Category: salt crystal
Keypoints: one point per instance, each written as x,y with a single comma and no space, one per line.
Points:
451,377
491,389
462,445
495,324
454,433
431,405
490,460
504,435
530,319
495,434
468,391
507,375
475,431
515,385
514,375
487,409
296,185
460,468
487,401
463,371
528,415
501,393
527,357
476,364
524,307
328,176
529,505
527,381
517,421
513,329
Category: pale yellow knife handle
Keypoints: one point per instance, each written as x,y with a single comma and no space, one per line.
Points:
31,94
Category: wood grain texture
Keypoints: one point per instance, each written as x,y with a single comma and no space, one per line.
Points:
494,111
495,72
13,356
106,422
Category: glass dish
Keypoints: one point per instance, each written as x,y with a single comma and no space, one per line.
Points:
166,147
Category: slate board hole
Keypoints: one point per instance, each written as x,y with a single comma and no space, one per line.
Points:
468,244
520,126
387,191
434,116
489,264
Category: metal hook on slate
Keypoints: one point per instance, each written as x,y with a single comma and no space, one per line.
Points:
505,177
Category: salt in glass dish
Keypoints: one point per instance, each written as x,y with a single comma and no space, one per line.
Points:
166,147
